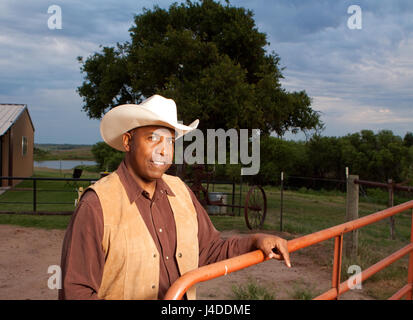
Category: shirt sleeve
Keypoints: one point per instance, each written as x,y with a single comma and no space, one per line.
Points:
83,257
212,247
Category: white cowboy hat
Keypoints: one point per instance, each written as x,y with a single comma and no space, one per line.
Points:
155,110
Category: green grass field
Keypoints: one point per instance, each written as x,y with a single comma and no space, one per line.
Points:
303,213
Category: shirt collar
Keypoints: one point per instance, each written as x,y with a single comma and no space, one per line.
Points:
134,190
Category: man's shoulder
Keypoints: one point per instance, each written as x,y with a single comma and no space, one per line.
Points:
89,197
89,209
109,179
107,185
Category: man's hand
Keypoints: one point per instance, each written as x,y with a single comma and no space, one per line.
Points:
273,247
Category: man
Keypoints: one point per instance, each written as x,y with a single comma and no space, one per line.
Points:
138,230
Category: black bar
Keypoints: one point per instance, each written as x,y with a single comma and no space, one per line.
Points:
15,202
48,179
34,195
71,203
35,190
31,202
40,190
51,213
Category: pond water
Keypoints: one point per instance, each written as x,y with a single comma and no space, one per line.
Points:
63,164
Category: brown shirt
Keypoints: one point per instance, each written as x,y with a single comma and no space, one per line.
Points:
83,258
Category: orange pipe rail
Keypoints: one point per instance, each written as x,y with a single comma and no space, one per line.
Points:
402,292
179,287
344,286
212,271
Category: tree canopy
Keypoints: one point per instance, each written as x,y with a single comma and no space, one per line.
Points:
375,157
210,58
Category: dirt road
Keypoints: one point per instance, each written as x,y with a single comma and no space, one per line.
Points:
27,253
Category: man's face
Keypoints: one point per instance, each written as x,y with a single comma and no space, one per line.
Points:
149,151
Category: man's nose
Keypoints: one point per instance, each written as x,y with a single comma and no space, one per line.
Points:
162,147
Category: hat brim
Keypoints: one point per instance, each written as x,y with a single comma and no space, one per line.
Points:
121,119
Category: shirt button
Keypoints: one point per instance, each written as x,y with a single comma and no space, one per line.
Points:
154,255
160,229
153,286
166,257
180,255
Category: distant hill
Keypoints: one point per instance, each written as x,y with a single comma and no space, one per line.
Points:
46,151
65,146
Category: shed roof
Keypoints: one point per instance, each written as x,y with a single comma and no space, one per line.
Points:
9,113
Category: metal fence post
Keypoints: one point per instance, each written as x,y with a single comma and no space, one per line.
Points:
282,201
34,195
352,213
391,204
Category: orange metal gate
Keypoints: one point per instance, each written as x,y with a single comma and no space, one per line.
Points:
178,289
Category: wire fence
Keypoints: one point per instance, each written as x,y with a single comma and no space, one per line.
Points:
304,204
42,195
291,206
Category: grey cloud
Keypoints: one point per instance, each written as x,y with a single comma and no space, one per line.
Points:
365,70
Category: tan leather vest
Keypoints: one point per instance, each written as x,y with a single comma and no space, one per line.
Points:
131,268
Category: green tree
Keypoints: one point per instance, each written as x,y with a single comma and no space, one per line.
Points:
40,154
376,157
325,157
278,155
106,157
210,58
408,139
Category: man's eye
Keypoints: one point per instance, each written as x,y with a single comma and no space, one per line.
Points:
154,138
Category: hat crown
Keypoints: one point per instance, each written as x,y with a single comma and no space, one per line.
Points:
156,110
161,106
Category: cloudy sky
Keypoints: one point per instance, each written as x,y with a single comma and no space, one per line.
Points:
358,78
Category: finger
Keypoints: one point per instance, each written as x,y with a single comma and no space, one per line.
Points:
273,255
280,252
285,254
276,254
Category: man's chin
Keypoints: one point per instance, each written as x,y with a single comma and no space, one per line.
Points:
156,174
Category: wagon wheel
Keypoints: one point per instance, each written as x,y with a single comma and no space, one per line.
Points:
255,207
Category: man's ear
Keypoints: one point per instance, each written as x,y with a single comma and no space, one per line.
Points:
126,138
